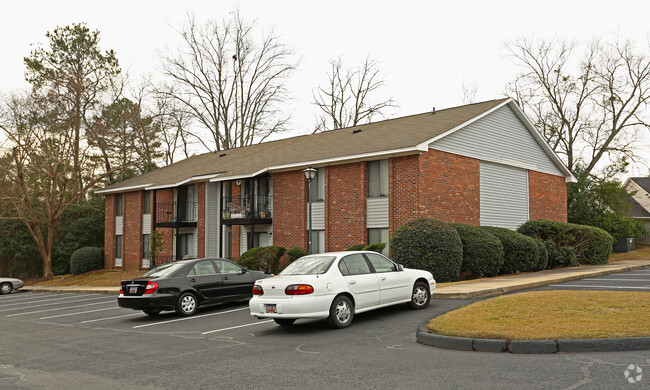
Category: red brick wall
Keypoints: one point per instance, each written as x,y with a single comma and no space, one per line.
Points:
289,209
345,219
109,232
449,187
200,226
403,190
547,196
132,255
165,196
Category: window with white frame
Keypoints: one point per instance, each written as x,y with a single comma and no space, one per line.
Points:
377,236
317,186
377,178
146,209
119,205
118,246
317,241
186,246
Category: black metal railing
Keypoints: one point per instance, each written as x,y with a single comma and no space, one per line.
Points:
177,212
247,207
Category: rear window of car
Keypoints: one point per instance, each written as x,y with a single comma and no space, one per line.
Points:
309,265
164,270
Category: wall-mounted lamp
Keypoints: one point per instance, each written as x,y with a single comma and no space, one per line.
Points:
238,182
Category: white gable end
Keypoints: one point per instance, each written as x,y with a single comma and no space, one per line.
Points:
502,138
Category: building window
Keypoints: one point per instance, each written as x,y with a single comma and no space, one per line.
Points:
259,239
227,242
377,178
118,246
317,241
146,245
317,193
186,246
379,235
119,205
147,203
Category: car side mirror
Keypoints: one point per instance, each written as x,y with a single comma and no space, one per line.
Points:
400,267
243,271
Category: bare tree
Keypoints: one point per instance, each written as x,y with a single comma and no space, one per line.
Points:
38,178
591,106
469,93
171,121
347,99
231,80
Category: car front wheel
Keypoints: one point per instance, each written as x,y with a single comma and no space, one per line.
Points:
186,305
5,288
420,297
341,312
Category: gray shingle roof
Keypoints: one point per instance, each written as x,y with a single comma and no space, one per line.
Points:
643,182
388,137
637,211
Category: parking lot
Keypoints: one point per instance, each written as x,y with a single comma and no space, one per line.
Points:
637,280
67,340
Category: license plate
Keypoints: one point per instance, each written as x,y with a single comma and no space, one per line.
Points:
271,309
133,290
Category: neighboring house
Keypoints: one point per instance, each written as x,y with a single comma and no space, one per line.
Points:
640,201
479,164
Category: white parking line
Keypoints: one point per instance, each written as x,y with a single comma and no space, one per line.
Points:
110,318
189,318
629,280
52,303
60,308
235,327
41,300
77,313
590,286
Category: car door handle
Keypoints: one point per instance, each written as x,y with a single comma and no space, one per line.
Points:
353,282
192,280
382,278
225,278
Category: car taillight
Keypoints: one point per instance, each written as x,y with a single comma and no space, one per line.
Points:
258,290
121,291
298,289
151,287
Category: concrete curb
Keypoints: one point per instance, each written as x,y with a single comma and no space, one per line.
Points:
425,337
543,280
79,290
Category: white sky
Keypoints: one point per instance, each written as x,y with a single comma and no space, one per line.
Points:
426,49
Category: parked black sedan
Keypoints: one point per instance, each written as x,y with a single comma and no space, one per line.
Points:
185,285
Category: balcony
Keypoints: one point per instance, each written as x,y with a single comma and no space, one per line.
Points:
176,214
247,210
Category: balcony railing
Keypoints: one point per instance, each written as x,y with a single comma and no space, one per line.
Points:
177,212
247,207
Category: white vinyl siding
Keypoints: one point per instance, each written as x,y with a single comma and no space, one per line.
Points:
499,137
146,223
212,219
504,195
119,225
317,215
377,212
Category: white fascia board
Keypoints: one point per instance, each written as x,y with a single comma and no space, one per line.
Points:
425,145
123,189
188,180
540,140
383,153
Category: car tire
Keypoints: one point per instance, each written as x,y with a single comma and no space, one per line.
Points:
5,288
341,312
152,312
187,304
420,296
284,321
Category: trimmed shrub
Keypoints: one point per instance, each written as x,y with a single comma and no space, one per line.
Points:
358,247
482,252
376,247
86,259
430,245
295,253
560,256
542,261
266,258
521,253
591,245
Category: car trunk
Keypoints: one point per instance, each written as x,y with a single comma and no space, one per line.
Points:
134,287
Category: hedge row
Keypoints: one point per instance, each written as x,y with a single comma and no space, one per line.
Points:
270,259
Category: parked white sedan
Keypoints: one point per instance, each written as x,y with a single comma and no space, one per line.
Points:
9,284
337,286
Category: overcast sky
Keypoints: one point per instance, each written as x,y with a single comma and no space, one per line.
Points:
426,50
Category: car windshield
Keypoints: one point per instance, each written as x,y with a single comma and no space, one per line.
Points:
309,265
164,270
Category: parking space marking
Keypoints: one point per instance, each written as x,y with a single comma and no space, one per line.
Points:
238,326
190,318
628,280
591,286
60,308
77,313
52,303
41,300
110,318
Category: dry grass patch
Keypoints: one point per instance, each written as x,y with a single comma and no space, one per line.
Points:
100,278
642,252
550,315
